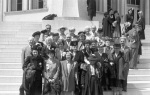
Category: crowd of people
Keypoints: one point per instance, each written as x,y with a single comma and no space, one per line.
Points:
95,60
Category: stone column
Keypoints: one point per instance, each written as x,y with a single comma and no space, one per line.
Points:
1,11
30,4
9,5
147,12
142,6
105,5
25,5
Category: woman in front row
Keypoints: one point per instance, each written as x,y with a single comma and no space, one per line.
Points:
68,75
52,85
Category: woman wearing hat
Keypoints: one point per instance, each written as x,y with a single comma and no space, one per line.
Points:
62,30
68,75
117,62
33,71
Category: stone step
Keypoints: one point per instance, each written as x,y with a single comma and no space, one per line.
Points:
9,86
8,60
10,79
10,50
10,55
13,46
10,65
130,92
11,72
139,72
143,65
139,78
13,42
138,84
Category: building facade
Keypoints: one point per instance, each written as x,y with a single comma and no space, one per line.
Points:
35,10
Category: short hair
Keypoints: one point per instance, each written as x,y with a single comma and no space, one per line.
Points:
51,52
48,25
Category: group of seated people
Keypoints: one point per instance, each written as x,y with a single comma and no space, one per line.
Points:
83,64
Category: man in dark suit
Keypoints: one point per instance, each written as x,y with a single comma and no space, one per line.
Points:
47,31
82,38
127,56
26,51
91,8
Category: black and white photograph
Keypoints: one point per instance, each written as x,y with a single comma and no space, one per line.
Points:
74,47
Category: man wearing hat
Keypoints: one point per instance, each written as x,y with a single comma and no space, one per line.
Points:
47,31
72,32
127,56
62,30
82,38
108,49
117,63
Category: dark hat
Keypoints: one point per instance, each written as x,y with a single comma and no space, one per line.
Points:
115,11
35,47
100,30
55,34
36,33
73,43
81,33
94,41
117,46
92,58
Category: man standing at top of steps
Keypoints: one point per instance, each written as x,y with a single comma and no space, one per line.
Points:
26,51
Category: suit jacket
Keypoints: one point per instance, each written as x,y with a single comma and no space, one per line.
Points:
80,46
127,57
118,66
26,51
68,78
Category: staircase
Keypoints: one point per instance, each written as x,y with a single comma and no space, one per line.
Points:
13,37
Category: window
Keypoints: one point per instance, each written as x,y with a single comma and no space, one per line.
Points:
37,4
133,2
16,5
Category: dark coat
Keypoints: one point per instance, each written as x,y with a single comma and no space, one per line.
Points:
141,22
118,66
91,7
109,26
129,18
37,65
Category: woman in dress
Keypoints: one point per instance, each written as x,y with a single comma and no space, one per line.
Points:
52,70
141,22
130,19
68,75
117,29
61,51
33,71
